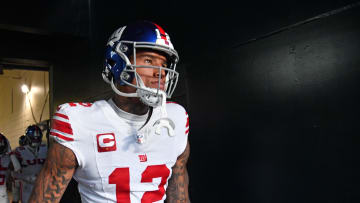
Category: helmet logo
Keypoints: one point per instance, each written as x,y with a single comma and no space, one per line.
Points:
162,37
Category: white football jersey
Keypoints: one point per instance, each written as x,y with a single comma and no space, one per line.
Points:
4,166
113,167
31,164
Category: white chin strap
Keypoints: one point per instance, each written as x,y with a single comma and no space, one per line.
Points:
150,96
162,122
154,98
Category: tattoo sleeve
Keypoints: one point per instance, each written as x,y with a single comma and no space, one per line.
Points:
55,175
178,188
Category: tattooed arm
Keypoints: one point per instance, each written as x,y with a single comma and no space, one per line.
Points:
177,191
55,175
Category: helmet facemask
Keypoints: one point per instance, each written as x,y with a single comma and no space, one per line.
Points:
149,96
35,142
34,137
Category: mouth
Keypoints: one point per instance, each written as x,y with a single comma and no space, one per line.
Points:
155,84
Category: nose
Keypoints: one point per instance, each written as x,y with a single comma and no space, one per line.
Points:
157,73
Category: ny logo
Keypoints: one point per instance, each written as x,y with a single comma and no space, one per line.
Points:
143,158
162,36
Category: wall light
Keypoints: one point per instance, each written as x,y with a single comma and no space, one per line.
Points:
25,89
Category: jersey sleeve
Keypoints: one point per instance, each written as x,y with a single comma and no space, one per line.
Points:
17,153
62,131
15,161
185,130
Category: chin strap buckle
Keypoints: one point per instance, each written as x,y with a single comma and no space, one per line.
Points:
163,122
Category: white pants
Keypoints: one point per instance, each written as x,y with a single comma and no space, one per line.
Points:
3,194
25,190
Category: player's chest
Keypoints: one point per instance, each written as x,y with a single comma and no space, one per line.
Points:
32,159
118,150
4,163
117,145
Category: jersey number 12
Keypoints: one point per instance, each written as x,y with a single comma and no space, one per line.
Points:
121,177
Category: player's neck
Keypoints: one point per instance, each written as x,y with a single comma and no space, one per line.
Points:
131,105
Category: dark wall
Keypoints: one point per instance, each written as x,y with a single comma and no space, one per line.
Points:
277,120
274,120
76,73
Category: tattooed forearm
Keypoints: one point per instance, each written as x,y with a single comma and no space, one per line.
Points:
56,174
177,190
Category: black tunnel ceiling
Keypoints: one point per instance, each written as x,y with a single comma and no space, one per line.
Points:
193,25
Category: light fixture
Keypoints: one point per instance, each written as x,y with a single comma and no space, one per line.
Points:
24,89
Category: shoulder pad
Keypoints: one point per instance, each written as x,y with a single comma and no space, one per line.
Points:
175,106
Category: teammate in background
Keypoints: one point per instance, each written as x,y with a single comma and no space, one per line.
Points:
31,157
16,173
4,167
133,147
22,141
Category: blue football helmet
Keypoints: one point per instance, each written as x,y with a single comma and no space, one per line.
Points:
118,69
22,140
33,135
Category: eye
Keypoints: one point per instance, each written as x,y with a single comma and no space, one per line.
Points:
147,60
165,65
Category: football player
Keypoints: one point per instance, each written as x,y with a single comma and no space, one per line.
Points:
31,157
22,140
15,173
133,147
4,166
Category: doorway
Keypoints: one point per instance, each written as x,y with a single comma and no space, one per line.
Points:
25,100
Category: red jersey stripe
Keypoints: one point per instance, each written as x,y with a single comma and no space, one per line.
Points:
61,115
187,122
62,126
61,136
187,131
